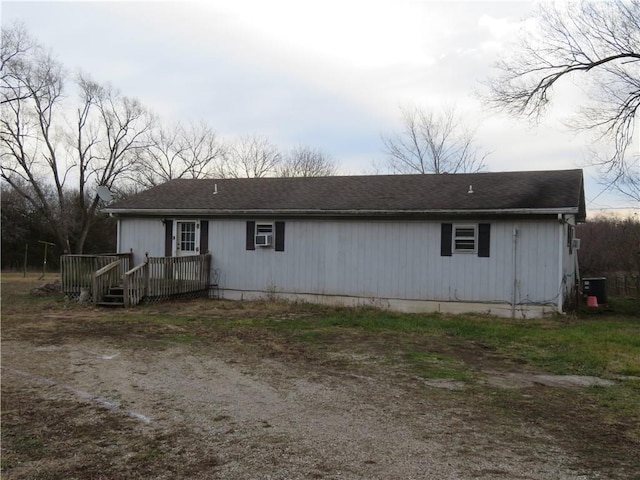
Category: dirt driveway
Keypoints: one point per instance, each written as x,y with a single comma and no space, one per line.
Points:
100,399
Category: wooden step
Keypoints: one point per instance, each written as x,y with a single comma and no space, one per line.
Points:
115,298
110,304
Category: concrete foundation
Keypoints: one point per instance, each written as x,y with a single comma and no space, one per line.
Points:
400,305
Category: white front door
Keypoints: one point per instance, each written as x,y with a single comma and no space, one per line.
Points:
187,239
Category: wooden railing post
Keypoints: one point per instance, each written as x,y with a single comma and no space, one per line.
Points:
126,298
146,274
94,288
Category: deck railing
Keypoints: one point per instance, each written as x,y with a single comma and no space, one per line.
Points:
159,278
77,270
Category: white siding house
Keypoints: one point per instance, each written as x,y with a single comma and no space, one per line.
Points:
411,242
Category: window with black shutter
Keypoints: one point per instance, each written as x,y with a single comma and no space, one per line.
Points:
465,238
265,235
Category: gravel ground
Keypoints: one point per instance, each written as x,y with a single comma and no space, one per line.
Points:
194,411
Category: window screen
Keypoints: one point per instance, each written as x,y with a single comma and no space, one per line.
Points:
464,238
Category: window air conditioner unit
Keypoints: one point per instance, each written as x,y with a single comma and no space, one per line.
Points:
575,243
263,239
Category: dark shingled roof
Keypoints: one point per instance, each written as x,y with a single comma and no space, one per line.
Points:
559,191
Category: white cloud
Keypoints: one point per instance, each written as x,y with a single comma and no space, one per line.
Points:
330,74
349,33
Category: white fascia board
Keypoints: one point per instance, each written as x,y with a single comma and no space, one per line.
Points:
320,213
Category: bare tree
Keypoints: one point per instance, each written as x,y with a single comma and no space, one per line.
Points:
16,43
432,143
110,130
55,159
251,156
306,162
191,151
598,41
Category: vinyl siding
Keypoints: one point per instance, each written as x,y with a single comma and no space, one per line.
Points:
375,259
142,235
390,260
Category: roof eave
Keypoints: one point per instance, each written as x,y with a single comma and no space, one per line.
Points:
173,212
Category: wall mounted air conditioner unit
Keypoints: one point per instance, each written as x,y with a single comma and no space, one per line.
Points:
263,240
575,243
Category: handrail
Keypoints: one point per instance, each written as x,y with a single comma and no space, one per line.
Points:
103,279
94,255
135,283
136,268
106,268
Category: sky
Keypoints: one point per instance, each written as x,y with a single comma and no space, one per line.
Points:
328,74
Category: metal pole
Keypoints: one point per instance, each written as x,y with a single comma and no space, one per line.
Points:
26,249
44,262
514,293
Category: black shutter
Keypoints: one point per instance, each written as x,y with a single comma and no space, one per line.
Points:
251,235
445,239
204,236
168,237
279,236
484,239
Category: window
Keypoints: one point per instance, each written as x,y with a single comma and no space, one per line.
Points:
188,236
469,238
264,234
186,241
464,238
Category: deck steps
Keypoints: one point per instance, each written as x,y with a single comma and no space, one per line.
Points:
115,298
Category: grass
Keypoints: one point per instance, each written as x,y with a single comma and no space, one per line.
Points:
603,346
438,365
368,341
561,346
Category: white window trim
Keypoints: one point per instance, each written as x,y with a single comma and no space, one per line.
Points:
454,237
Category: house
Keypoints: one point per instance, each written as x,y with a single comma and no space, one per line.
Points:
500,243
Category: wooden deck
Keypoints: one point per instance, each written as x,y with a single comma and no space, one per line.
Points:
156,279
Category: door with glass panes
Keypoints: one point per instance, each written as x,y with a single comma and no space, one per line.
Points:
186,239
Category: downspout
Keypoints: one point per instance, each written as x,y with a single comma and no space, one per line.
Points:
560,262
515,273
118,238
